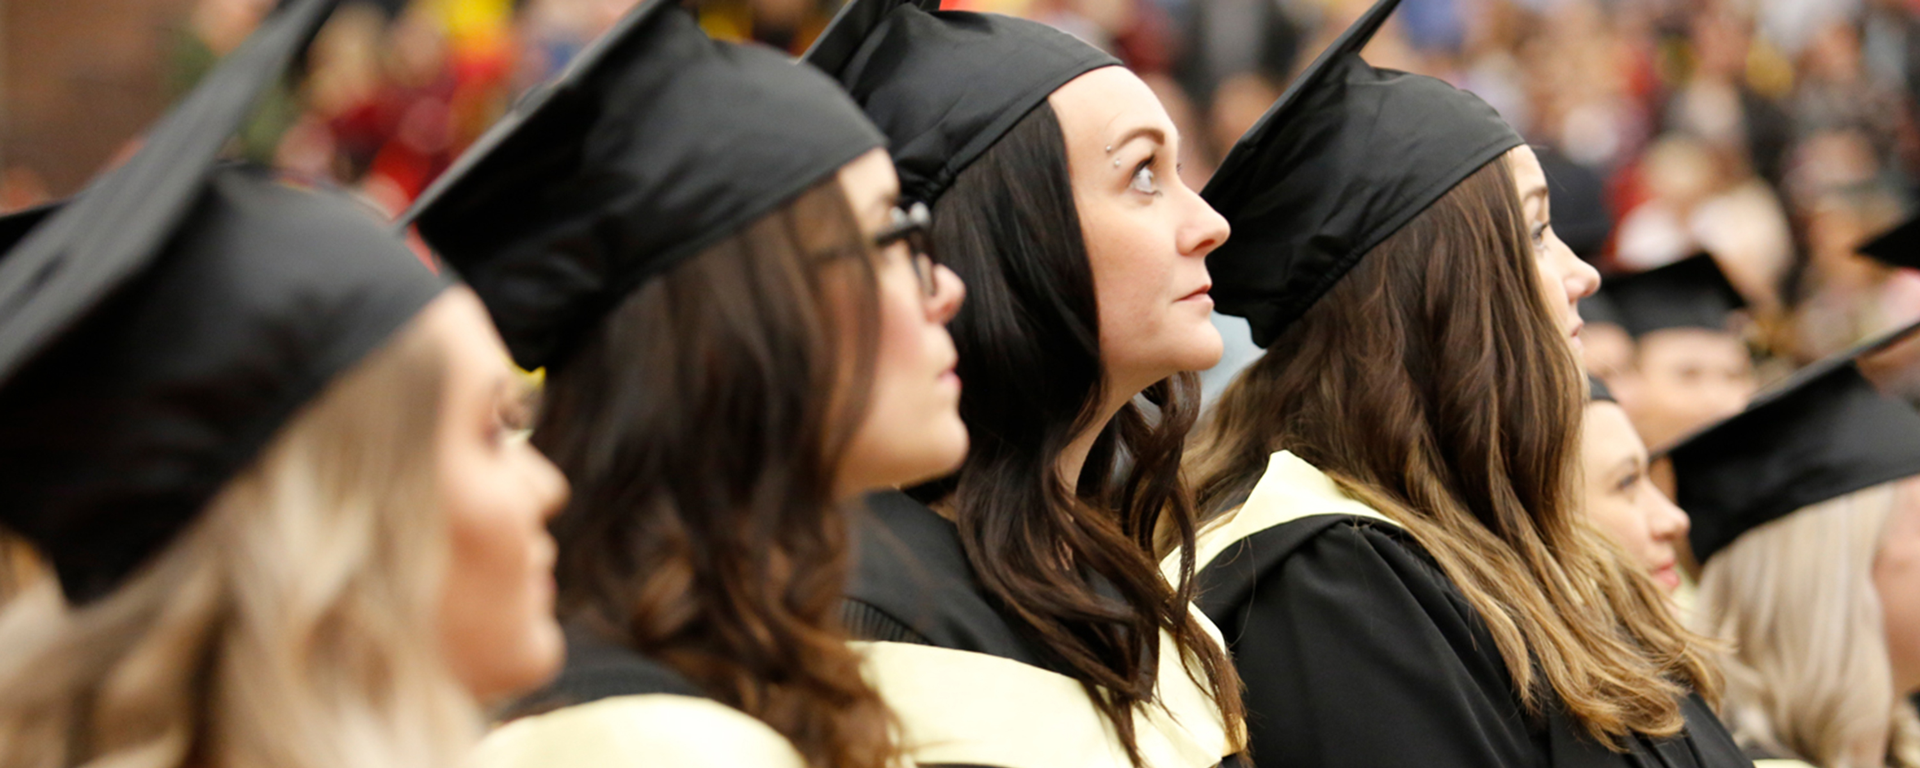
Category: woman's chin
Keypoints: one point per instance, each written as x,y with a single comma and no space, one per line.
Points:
541,653
938,451
956,441
1203,349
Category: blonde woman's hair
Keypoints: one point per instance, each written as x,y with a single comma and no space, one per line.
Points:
1808,675
290,626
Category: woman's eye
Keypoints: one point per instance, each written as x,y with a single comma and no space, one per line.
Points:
1626,484
1144,180
512,419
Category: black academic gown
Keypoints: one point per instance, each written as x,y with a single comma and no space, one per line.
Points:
611,707
970,690
1358,652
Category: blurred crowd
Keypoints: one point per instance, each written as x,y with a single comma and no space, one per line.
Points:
1775,135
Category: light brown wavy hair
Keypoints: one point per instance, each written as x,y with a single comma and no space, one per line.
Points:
698,430
290,626
1432,384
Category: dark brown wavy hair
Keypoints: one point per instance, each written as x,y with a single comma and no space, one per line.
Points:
1074,567
1432,384
699,432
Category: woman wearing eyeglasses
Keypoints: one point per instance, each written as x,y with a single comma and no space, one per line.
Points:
1012,613
702,245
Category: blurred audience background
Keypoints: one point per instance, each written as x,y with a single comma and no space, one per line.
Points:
1775,135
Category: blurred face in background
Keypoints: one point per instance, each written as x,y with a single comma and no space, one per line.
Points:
1684,379
1621,499
1608,349
1239,102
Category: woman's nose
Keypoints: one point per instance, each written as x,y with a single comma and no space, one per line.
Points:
1670,521
1583,280
1204,230
949,293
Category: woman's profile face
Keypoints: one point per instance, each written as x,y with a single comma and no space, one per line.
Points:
1147,233
1563,275
912,429
497,491
1621,499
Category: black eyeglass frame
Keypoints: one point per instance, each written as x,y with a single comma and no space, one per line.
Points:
914,225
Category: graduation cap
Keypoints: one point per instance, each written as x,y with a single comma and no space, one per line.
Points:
945,86
1825,433
1348,155
1689,293
157,330
1598,309
1899,247
656,142
14,226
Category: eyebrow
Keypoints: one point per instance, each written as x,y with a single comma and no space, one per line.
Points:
887,202
1539,192
1147,131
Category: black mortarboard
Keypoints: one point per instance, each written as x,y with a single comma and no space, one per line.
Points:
1825,433
655,143
1598,309
157,330
1899,247
15,225
1345,158
1689,293
945,86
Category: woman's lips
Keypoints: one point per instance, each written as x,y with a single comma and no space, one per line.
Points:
1667,576
949,377
1199,294
545,587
